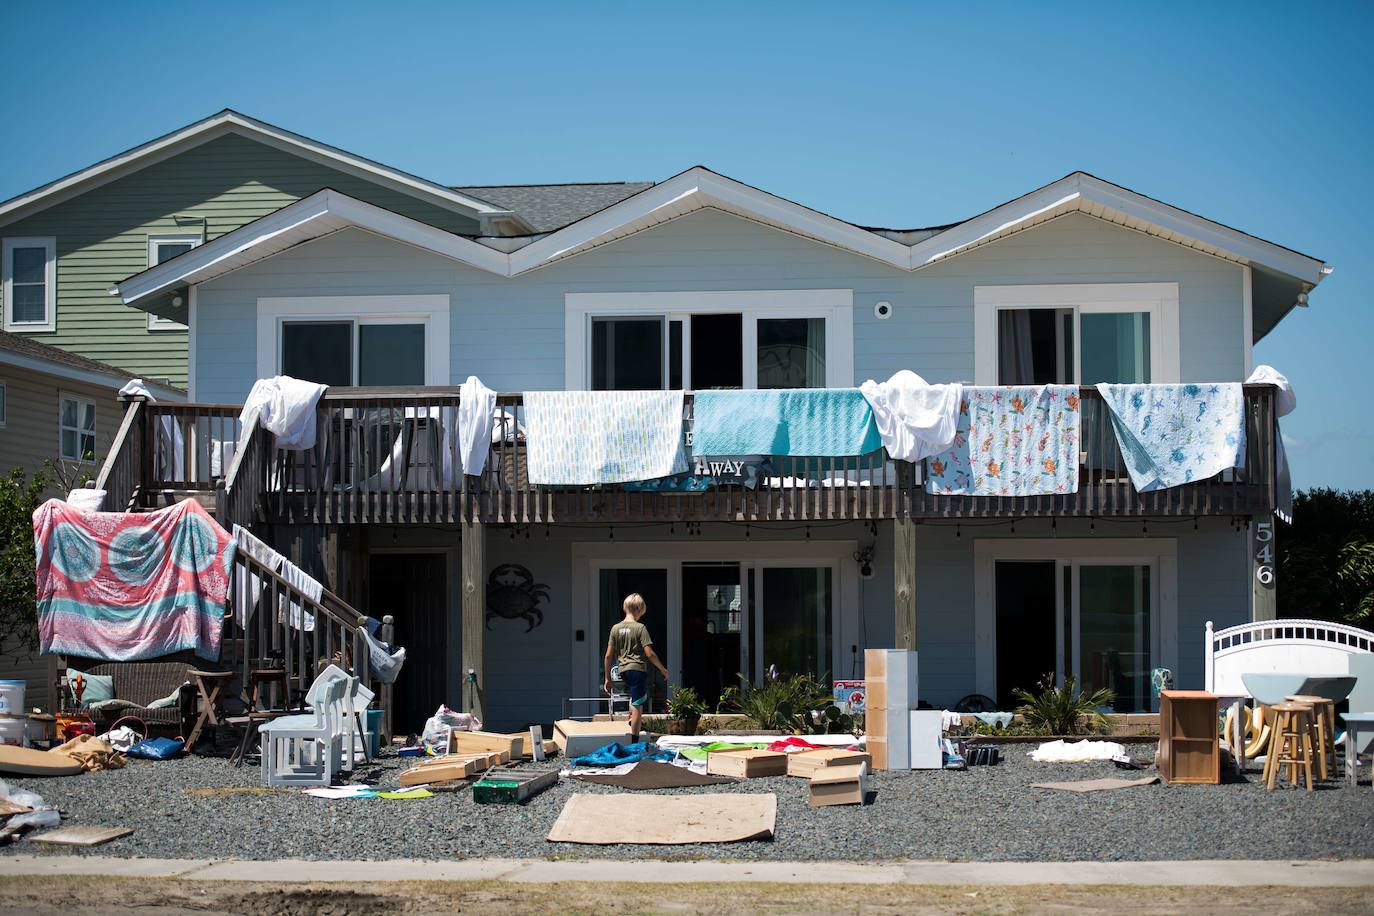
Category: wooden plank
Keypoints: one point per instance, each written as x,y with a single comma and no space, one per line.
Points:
473,534
464,742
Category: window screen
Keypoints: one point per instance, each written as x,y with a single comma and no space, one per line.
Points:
391,354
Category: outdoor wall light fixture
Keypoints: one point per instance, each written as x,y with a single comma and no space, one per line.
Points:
882,310
864,557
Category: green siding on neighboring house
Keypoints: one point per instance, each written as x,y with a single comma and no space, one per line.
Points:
102,237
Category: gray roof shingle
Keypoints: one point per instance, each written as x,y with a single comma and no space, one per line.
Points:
27,346
547,207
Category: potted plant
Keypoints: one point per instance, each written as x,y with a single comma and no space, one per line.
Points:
685,708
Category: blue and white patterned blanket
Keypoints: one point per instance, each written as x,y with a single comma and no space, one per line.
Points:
578,438
1170,435
1019,440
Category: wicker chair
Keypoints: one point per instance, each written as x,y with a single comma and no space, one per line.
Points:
143,683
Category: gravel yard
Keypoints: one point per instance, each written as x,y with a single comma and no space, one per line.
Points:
984,813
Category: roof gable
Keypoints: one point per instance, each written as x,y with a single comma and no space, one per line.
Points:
492,217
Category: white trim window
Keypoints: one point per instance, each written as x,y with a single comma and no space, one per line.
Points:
163,248
718,339
1076,333
370,341
76,428
28,282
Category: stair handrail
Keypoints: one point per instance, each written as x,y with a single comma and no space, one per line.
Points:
242,482
333,617
121,465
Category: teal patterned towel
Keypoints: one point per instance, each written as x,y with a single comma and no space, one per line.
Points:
802,422
578,438
1170,435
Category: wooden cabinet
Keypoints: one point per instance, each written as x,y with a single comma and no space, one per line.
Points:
1189,747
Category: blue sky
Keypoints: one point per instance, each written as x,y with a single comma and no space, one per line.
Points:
1256,115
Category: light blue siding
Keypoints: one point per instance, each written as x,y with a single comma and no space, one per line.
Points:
509,331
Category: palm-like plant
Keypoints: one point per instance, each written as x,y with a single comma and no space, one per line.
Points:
1064,710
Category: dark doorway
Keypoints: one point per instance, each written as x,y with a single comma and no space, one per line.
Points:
1025,627
712,617
651,584
717,351
412,588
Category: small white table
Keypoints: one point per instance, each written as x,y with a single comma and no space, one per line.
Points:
1357,724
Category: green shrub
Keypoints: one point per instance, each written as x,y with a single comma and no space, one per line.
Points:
798,704
20,494
1064,710
686,703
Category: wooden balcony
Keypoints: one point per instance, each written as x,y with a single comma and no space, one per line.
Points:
381,458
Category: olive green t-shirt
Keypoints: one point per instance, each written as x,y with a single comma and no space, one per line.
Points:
628,638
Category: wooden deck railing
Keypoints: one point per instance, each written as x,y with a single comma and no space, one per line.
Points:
389,456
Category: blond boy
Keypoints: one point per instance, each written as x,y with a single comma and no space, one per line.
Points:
632,649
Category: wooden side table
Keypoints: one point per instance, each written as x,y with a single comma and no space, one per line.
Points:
1189,746
210,685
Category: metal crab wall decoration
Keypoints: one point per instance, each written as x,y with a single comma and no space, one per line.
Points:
512,594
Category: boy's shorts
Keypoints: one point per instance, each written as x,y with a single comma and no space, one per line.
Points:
637,682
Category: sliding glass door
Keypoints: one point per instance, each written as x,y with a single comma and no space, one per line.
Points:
1096,621
794,625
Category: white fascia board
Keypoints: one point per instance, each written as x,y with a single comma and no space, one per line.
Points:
699,188
1245,248
952,241
319,214
114,378
1075,191
226,122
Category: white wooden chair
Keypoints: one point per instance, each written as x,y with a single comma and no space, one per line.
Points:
306,750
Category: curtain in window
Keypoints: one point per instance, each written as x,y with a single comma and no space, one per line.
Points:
1015,360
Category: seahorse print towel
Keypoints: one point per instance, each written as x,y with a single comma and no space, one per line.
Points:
1019,440
1170,435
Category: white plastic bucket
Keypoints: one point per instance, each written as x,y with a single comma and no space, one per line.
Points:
12,698
12,729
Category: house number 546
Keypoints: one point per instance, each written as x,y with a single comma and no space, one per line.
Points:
1264,553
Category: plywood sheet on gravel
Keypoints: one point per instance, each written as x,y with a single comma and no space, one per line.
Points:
603,820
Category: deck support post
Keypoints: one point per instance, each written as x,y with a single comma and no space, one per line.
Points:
473,535
904,582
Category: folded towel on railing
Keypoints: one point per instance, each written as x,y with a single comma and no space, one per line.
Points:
594,437
1170,435
1019,440
801,422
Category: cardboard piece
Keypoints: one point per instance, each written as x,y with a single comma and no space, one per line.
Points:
750,763
575,738
653,774
461,742
1096,785
82,836
839,785
806,763
665,819
890,685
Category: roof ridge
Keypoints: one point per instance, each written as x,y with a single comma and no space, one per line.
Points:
554,184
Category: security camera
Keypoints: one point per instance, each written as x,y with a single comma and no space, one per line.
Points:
882,310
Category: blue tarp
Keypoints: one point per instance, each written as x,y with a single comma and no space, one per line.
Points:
613,755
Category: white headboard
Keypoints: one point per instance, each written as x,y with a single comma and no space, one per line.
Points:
1316,647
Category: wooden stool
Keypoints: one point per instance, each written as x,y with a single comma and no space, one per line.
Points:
1324,718
1291,743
